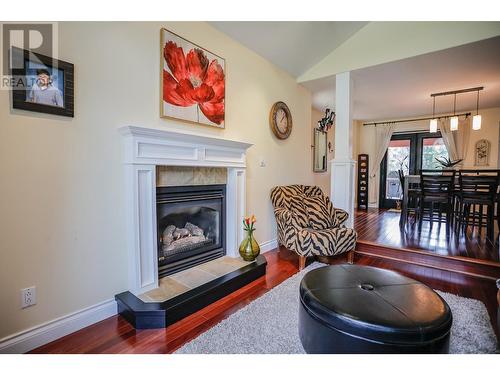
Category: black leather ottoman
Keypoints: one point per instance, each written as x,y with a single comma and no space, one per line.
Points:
359,309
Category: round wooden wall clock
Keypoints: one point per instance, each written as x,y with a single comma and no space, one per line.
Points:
280,120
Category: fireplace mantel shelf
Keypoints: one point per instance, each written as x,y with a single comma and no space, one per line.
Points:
183,136
147,148
166,147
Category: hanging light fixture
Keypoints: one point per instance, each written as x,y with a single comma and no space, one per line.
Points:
454,119
433,124
476,119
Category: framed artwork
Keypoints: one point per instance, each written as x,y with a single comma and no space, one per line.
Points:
482,153
193,82
43,84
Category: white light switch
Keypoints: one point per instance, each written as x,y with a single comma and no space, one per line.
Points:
262,162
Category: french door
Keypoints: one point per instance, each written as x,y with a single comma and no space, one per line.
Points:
408,152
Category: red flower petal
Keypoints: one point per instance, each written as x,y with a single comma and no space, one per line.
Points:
174,56
215,79
173,94
219,91
215,73
197,64
214,111
202,94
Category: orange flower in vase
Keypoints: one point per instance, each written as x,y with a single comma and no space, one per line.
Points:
249,248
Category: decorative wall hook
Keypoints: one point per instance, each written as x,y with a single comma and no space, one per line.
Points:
326,122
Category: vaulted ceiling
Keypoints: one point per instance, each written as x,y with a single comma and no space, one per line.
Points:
293,46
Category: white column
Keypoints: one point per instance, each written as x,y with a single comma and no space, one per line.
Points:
342,166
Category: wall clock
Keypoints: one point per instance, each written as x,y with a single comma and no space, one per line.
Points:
280,120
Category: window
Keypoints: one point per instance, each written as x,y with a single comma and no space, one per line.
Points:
408,152
433,148
398,157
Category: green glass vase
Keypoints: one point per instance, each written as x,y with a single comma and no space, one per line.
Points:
249,248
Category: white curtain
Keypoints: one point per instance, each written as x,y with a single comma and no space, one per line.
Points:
456,142
383,134
448,138
462,137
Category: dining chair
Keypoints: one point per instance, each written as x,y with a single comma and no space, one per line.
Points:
436,188
412,201
478,191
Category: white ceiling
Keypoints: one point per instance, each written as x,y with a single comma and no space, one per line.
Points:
402,88
293,46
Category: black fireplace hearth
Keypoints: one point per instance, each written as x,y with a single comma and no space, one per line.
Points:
191,225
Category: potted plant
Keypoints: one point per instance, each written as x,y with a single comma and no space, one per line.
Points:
447,163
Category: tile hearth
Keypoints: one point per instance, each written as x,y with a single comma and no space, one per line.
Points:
181,282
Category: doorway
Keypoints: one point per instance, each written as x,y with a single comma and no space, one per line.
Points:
409,152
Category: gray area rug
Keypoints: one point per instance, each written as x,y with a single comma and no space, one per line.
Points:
269,325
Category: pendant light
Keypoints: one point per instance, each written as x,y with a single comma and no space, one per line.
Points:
433,124
454,119
476,120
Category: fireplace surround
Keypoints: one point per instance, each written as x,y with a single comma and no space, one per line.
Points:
144,150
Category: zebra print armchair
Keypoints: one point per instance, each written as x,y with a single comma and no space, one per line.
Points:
309,224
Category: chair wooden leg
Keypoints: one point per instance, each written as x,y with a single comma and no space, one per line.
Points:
350,257
490,227
302,262
421,214
497,213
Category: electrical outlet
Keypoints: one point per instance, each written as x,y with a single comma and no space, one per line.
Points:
28,297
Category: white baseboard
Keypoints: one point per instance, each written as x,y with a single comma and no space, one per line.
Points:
42,334
268,245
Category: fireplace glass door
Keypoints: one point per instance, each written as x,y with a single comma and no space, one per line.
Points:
191,221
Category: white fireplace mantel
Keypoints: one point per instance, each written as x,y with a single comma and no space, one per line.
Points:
146,148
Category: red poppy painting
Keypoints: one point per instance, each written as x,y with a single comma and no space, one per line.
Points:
193,82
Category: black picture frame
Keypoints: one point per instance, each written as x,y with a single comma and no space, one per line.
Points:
21,57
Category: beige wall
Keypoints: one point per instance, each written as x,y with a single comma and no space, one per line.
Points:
62,199
489,130
490,127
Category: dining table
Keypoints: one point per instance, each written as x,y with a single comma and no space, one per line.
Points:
411,180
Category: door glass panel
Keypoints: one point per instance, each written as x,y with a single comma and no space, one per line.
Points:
433,148
398,157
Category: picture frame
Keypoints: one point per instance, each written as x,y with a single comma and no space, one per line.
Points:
482,153
320,151
43,84
193,92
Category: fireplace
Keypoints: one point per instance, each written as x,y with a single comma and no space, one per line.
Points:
191,225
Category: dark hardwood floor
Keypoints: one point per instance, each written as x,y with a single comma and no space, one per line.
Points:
382,227
116,335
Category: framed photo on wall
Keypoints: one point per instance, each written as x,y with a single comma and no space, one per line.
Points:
43,84
193,82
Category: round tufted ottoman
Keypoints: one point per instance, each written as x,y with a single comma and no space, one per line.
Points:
359,309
